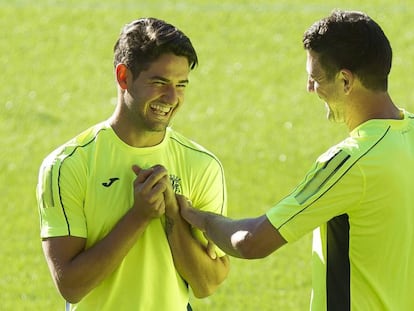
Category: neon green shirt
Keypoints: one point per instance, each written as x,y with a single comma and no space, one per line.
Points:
358,198
85,187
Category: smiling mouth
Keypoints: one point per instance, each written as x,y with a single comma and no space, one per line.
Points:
160,109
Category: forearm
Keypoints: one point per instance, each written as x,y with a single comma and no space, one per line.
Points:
191,260
77,270
226,233
218,228
75,277
248,238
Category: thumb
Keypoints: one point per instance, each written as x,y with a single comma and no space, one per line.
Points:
136,169
182,203
211,248
142,174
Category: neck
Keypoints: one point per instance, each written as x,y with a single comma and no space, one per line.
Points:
133,135
370,106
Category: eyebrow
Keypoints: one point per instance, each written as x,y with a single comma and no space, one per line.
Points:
185,81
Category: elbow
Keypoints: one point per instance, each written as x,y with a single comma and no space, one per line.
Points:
72,294
206,289
71,286
204,292
210,285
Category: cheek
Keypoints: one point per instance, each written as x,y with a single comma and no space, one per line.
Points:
324,91
316,87
319,91
180,94
175,110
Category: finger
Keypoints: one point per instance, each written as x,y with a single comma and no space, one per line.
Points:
142,174
159,207
153,195
136,169
147,178
183,201
154,178
169,191
158,189
184,206
158,166
159,169
155,209
211,248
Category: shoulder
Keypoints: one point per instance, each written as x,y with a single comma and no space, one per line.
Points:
363,151
70,148
193,155
189,146
362,142
88,136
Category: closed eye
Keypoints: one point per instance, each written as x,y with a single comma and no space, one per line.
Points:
159,81
182,85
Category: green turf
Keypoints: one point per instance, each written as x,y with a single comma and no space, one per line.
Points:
247,102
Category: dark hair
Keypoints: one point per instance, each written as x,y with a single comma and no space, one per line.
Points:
143,41
351,40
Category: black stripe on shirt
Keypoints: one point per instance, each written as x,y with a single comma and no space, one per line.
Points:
337,264
68,155
322,176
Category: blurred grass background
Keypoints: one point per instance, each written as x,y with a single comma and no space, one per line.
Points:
247,102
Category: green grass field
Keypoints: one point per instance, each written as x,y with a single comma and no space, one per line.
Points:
247,102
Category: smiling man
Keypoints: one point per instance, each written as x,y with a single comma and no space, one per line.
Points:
357,197
112,236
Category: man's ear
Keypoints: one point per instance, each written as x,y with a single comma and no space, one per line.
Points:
348,79
122,72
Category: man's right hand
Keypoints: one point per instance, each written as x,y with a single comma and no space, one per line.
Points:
149,187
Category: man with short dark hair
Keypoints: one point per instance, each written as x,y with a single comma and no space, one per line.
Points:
357,197
111,232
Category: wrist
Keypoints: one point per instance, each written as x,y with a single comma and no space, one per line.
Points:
138,218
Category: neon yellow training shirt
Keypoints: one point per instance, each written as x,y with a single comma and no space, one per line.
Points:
86,186
358,199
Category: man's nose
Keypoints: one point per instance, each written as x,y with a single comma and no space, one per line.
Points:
170,95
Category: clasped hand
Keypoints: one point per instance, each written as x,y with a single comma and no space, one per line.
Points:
154,197
153,193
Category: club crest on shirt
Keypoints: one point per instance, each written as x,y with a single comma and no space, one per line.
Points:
176,183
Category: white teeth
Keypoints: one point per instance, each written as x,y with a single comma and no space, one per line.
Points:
160,109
